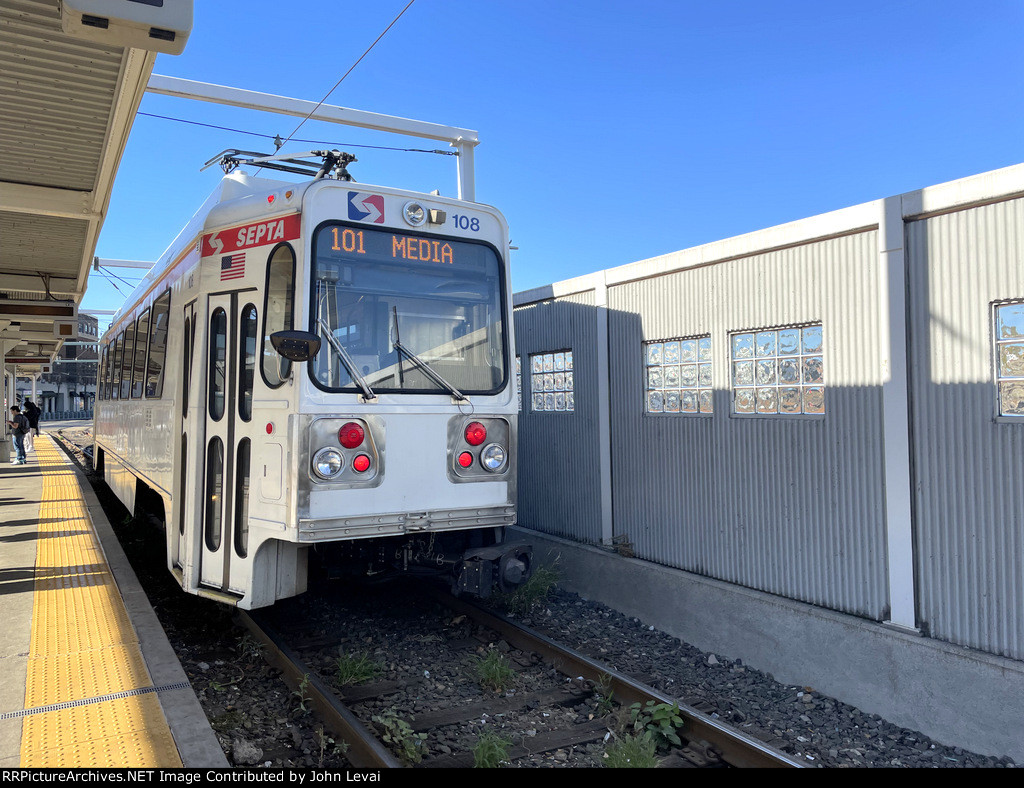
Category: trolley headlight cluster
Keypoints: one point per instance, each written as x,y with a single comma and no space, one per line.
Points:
493,457
329,462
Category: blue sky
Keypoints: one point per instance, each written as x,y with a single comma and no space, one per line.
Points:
610,132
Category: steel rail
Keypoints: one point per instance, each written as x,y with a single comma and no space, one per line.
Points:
365,751
736,748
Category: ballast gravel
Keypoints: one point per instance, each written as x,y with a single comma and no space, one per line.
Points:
816,729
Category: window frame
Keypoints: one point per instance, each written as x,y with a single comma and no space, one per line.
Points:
217,415
997,378
245,373
697,388
568,391
505,324
101,383
140,384
157,391
801,385
115,377
126,370
264,337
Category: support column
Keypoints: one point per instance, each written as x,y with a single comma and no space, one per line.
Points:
466,168
6,443
896,415
604,436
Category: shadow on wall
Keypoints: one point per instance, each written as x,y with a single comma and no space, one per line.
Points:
792,506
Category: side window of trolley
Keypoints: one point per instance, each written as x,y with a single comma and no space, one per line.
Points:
141,343
126,361
158,345
115,376
278,312
101,383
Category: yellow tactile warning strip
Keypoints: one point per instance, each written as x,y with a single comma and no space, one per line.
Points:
84,657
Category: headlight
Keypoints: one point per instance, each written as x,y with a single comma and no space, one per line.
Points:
327,463
493,457
414,213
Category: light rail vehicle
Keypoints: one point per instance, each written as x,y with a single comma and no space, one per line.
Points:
319,373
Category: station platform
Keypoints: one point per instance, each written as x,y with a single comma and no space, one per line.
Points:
87,676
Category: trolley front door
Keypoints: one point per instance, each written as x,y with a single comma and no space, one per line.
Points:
225,500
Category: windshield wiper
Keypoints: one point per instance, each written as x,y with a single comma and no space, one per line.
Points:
346,359
422,365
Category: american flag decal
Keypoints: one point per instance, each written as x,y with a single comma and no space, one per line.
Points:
232,266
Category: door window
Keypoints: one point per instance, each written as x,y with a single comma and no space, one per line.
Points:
218,363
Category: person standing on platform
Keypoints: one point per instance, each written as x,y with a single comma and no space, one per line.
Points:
32,412
19,427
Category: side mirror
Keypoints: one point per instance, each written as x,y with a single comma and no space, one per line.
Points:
296,345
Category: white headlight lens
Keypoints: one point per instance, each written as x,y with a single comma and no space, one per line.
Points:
415,214
492,457
328,463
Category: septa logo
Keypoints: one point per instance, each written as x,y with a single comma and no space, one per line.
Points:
366,207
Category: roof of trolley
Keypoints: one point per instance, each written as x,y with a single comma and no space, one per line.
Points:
240,197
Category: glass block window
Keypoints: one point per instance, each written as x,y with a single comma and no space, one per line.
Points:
778,372
551,381
519,383
678,375
1009,346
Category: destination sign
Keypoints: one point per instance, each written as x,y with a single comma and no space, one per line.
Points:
334,241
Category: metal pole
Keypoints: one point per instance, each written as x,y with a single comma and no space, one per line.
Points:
467,169
463,140
5,443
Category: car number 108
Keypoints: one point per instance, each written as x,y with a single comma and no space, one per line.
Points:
466,222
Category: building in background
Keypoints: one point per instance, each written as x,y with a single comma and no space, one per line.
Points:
68,390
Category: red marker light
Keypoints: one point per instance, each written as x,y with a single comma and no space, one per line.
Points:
270,198
361,463
476,433
270,428
351,435
465,459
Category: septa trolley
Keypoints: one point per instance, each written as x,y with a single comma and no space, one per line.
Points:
322,370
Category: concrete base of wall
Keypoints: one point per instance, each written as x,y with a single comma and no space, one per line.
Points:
956,696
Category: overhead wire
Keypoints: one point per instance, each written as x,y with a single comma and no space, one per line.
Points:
112,282
350,70
311,142
121,278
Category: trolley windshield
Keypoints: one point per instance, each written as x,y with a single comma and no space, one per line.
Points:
383,300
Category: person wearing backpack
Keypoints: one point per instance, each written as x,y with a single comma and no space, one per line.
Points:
32,413
19,428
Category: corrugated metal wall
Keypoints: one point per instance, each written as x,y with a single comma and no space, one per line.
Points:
792,506
799,507
969,466
559,479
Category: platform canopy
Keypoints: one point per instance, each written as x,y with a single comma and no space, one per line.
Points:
72,75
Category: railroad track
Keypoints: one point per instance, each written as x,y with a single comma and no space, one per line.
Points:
706,742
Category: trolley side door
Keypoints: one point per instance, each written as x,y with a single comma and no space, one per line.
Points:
218,451
184,491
